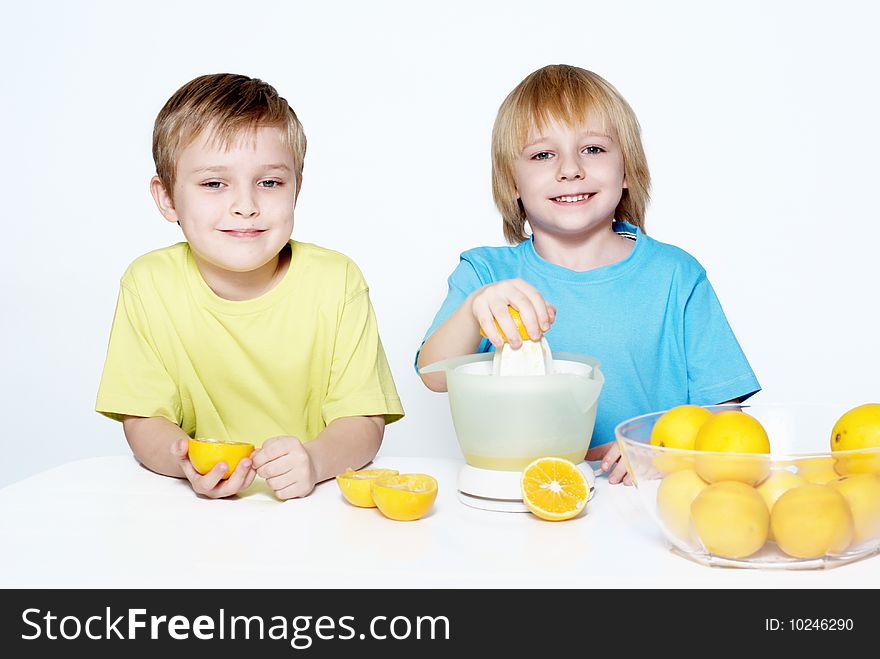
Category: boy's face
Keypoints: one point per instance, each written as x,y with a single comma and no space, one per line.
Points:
570,179
235,206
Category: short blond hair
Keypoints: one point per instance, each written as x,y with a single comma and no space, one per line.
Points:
228,105
568,95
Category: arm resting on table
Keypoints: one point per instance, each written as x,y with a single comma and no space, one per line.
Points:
150,439
350,441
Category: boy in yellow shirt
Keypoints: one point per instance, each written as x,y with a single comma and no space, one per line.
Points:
241,333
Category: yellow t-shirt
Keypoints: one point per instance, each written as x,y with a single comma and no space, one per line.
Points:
286,363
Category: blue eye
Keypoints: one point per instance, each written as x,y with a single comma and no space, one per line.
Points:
212,185
543,155
594,150
270,184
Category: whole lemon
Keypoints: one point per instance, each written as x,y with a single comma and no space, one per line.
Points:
811,521
674,497
859,428
817,470
735,432
677,429
775,486
731,519
862,493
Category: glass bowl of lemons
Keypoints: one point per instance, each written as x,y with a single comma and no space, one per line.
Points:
790,486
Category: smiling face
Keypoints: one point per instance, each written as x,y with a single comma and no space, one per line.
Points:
570,179
235,205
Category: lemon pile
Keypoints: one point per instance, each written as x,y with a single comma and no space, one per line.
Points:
732,505
402,497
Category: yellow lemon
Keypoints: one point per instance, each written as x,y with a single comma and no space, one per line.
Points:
355,485
858,429
205,453
862,493
736,432
811,521
776,485
817,470
731,519
674,497
404,497
517,319
677,428
554,488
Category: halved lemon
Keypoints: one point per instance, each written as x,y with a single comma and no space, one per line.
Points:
554,488
205,453
404,497
355,485
517,319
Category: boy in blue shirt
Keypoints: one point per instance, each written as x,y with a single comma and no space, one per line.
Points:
567,159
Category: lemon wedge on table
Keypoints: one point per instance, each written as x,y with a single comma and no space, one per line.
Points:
404,497
355,485
554,488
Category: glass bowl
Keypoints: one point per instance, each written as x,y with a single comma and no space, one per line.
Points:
705,504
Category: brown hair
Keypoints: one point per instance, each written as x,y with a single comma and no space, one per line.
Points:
226,104
569,95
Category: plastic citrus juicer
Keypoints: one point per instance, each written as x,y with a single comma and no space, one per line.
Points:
503,422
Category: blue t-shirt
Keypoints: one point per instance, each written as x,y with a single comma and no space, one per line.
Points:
652,320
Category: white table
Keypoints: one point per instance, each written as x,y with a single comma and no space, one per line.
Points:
108,522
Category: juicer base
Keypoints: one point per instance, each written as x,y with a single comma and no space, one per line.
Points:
495,505
499,491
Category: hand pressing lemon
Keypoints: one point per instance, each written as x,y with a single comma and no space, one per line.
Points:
532,357
517,320
535,315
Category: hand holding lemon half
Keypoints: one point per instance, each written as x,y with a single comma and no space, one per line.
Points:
205,454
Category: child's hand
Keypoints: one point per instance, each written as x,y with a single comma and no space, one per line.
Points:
491,302
610,456
286,466
212,484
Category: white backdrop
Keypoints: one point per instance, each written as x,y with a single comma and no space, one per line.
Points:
759,120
